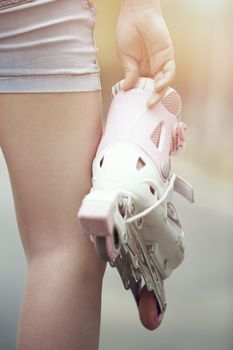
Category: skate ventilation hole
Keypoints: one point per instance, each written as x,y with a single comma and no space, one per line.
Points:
140,164
172,102
101,162
152,190
155,136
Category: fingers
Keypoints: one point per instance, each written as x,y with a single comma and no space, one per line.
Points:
156,97
168,73
130,66
162,81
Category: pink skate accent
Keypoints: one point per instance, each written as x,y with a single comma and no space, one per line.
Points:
155,137
172,102
96,217
179,138
182,131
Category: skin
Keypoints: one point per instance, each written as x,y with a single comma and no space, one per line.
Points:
49,141
144,46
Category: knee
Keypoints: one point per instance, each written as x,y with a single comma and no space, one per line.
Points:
68,250
69,262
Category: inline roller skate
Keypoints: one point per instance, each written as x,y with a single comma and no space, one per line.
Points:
129,212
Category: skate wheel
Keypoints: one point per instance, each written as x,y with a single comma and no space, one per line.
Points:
148,308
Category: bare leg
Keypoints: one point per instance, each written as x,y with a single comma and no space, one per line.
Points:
49,142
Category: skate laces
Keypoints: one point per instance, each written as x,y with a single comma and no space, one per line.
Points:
147,211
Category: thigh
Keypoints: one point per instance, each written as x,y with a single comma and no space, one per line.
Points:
49,142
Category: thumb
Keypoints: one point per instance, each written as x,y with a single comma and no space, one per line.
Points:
130,67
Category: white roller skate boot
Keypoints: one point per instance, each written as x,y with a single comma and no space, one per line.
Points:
128,212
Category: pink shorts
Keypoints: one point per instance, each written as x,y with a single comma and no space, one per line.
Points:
48,46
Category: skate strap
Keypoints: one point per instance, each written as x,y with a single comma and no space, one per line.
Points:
176,184
184,188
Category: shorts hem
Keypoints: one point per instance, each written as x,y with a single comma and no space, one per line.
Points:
53,83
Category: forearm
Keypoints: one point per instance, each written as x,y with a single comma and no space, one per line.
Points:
139,5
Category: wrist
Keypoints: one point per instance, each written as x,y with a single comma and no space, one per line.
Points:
140,5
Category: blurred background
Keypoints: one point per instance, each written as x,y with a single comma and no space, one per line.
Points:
199,293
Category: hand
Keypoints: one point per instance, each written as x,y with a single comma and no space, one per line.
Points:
145,49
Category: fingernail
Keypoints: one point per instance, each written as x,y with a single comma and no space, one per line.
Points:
160,85
124,85
152,101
